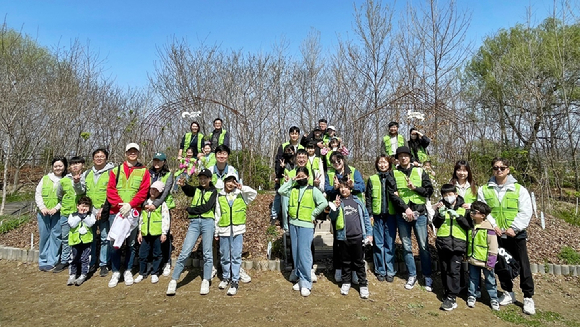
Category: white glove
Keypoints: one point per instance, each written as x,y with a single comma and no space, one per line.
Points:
82,230
125,208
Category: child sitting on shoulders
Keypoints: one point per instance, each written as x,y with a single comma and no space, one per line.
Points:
80,239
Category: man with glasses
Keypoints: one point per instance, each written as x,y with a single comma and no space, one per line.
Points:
511,211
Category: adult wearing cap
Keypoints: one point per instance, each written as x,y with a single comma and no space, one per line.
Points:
329,135
418,145
159,171
201,222
219,136
414,189
127,189
392,141
192,140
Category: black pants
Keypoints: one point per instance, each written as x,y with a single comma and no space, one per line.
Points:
352,259
517,247
81,258
450,271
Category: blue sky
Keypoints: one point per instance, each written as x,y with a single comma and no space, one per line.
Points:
127,34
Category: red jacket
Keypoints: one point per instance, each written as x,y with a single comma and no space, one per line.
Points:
139,198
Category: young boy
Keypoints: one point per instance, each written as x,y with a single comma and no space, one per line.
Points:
230,226
153,229
353,225
452,225
482,252
80,239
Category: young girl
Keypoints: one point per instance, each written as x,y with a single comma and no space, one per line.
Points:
49,229
207,158
462,178
230,218
186,167
335,144
80,239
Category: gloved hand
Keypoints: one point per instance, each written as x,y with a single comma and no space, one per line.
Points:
125,209
82,230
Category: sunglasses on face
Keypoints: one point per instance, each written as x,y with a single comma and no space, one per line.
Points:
500,168
334,162
474,212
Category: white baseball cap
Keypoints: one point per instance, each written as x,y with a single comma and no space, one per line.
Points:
132,146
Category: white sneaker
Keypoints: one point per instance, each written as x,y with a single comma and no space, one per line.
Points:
114,279
223,284
507,298
154,279
428,284
213,272
471,302
344,288
304,292
494,305
364,292
71,280
204,287
296,287
338,275
529,307
233,290
293,278
139,279
167,270
313,276
80,280
128,277
171,287
411,282
244,277
354,278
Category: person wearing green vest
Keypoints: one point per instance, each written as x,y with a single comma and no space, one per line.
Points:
80,239
49,230
207,158
280,161
414,189
219,136
70,189
463,180
187,167
315,166
192,140
511,212
353,229
126,195
221,168
418,145
380,189
482,251
201,222
95,181
230,226
153,232
304,205
392,141
452,223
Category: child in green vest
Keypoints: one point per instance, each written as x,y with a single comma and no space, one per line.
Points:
80,239
482,250
207,158
452,226
230,226
153,229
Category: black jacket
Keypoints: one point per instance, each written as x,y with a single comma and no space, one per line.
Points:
464,221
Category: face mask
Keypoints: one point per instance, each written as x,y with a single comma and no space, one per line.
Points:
302,182
450,199
288,156
82,215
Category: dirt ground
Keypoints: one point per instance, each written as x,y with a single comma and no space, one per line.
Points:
30,297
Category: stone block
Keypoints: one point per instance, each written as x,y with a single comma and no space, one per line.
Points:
557,270
550,268
533,268
565,270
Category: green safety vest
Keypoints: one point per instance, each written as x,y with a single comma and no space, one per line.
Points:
422,154
506,211
315,166
97,191
377,196
221,138
200,197
187,142
74,237
208,161
469,196
301,208
339,225
450,228
152,222
127,188
299,146
292,173
69,198
387,142
234,215
405,193
49,196
331,172
169,199
477,247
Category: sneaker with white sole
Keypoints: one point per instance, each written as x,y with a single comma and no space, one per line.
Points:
344,288
296,287
154,279
448,304
338,275
80,280
411,282
304,292
114,279
171,287
293,277
313,276
71,280
507,298
354,278
471,301
494,305
128,277
223,284
204,287
244,277
138,279
364,292
233,290
167,270
529,307
428,284
213,272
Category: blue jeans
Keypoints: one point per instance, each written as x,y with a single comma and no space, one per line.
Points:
284,203
419,228
64,230
276,206
384,235
490,283
150,244
301,239
231,256
197,227
104,255
49,243
131,243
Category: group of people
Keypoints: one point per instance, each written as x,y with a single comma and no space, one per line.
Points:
130,204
